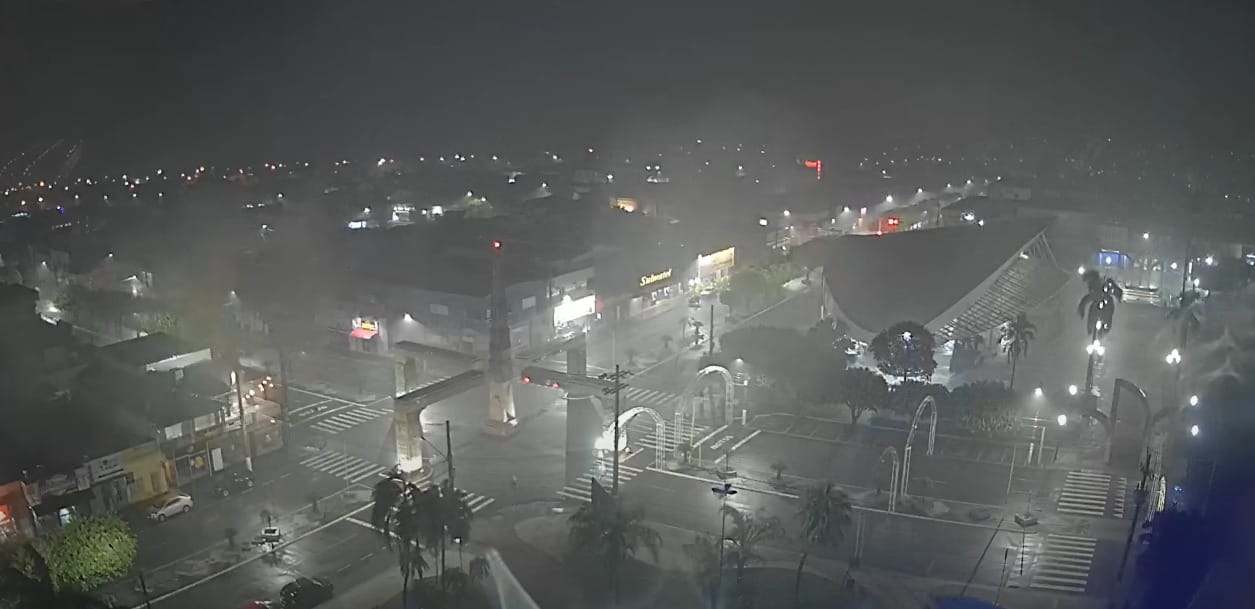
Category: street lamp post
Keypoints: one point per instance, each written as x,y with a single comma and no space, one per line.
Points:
1095,350
723,492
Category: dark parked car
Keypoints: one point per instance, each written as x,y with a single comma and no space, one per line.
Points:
233,482
305,592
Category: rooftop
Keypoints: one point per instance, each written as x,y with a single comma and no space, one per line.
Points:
935,277
145,350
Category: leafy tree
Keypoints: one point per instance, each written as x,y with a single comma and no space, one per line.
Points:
825,517
88,553
862,390
1017,333
905,350
1098,306
802,368
748,285
1188,314
983,407
164,323
26,582
611,534
779,467
904,398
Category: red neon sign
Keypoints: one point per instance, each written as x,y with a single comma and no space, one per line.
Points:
817,165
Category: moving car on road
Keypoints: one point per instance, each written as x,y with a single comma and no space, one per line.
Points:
305,592
178,504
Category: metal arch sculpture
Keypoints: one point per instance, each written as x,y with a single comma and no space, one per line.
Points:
660,428
686,397
910,437
892,453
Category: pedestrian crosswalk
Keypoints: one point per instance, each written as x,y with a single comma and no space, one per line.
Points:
1063,563
1117,501
341,465
355,469
347,419
581,489
476,501
654,398
642,432
1085,493
1053,562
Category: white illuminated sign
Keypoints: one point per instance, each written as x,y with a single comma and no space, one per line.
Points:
570,310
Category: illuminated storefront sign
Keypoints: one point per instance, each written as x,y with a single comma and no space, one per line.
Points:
655,278
571,310
365,329
723,258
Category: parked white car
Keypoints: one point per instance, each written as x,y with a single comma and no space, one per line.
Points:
178,504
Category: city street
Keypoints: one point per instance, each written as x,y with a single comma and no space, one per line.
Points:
339,442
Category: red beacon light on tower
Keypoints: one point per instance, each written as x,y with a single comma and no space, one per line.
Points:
496,244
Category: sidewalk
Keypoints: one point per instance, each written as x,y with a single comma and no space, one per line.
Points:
218,558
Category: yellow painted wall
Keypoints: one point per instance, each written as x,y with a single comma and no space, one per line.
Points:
146,465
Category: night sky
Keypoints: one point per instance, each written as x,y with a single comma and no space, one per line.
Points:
174,81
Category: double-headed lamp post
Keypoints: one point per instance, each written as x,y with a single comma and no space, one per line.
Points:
722,492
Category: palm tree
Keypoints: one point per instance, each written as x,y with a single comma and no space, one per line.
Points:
1098,308
1017,332
825,515
402,514
612,534
704,554
748,532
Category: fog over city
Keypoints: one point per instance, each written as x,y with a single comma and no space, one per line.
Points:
571,305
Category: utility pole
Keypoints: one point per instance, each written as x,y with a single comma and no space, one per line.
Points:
1139,500
617,377
239,401
448,447
711,335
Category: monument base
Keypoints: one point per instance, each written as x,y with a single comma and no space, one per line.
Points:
501,429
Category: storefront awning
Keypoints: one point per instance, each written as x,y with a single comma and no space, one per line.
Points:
363,333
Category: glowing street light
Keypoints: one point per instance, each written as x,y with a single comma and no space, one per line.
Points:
1096,348
786,213
1210,260
1193,400
1072,390
1062,420
1173,358
1194,430
1037,392
1145,235
762,222
1080,270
